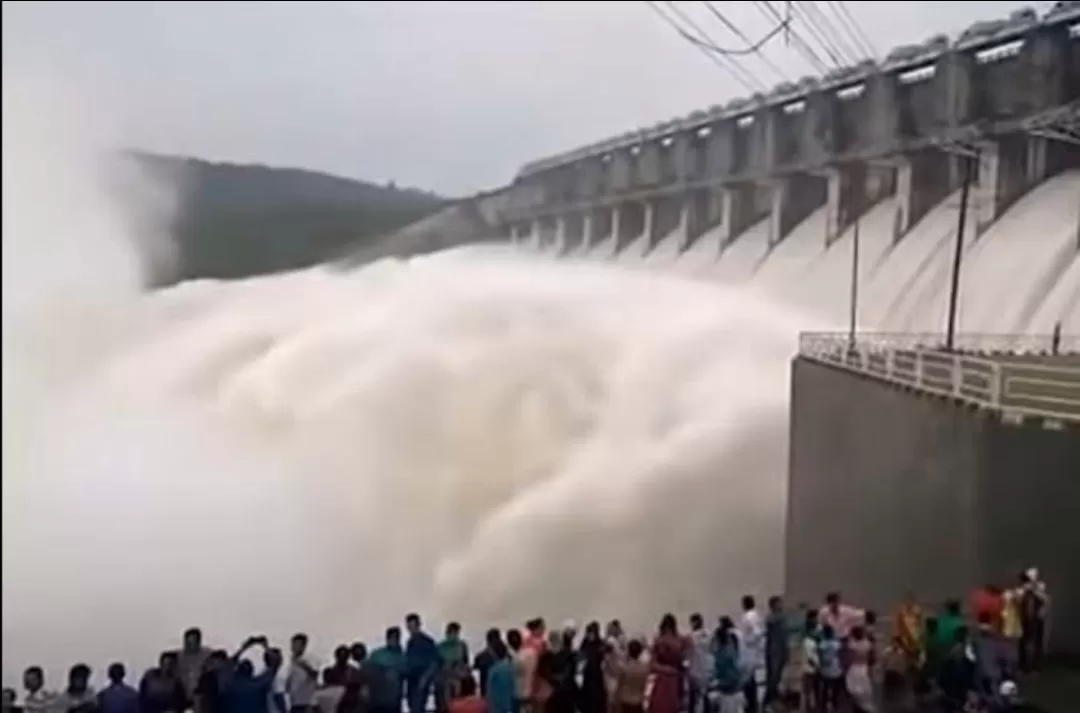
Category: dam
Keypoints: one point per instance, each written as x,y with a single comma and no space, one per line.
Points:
770,191
484,394
842,197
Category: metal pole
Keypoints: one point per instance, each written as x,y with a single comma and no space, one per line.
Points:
854,316
954,288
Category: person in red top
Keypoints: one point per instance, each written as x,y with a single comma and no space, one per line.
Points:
468,701
668,657
535,636
988,602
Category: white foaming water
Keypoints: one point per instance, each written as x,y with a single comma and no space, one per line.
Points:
479,434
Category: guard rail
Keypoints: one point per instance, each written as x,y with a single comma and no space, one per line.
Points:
1020,375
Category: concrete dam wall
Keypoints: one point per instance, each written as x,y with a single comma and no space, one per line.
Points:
891,490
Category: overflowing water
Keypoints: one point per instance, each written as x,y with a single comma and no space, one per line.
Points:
478,434
483,434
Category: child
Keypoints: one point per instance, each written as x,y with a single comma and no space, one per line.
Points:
811,665
832,670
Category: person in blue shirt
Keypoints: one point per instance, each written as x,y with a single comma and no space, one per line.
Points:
726,670
385,674
118,696
831,667
246,692
501,681
422,662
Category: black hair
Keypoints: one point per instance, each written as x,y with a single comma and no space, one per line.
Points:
117,672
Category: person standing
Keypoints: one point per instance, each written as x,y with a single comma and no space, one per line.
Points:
341,670
751,651
486,658
38,699
668,657
79,696
701,663
301,677
357,693
633,680
565,695
1033,605
776,649
909,623
536,635
210,690
727,671
118,696
10,698
860,686
832,670
615,652
191,659
422,662
948,623
524,661
810,693
388,670
593,694
501,683
453,666
161,689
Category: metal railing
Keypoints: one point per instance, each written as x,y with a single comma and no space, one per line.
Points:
1020,375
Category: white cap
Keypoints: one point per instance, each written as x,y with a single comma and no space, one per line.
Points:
1008,689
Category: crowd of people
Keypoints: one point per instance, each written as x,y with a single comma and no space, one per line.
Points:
824,660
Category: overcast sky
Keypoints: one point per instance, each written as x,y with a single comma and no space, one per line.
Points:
452,96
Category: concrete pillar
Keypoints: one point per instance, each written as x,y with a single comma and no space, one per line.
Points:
648,229
587,231
737,211
1002,178
513,234
666,217
683,226
573,232
1037,169
845,198
560,235
702,212
534,233
923,180
616,229
793,199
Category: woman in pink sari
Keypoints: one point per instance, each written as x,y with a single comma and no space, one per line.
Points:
668,665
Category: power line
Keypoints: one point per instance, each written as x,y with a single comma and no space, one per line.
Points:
702,45
808,53
841,9
812,29
839,42
753,81
754,47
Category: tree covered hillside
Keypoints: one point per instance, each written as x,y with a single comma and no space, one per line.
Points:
242,220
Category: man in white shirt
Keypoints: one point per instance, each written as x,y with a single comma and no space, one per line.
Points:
302,677
38,699
751,629
701,663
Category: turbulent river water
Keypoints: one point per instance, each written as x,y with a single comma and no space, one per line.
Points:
480,434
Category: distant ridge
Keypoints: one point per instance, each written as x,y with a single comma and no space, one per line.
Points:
241,220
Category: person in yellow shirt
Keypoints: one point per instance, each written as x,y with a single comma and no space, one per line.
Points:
909,622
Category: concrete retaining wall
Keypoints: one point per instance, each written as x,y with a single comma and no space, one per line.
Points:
893,491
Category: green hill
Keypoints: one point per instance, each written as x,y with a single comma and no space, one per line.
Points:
242,220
